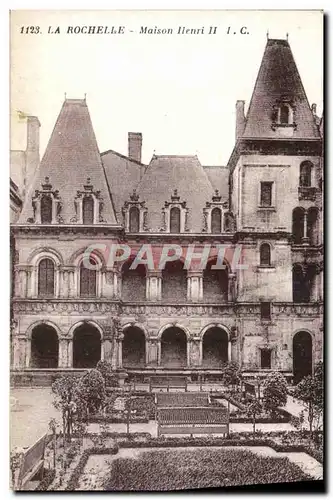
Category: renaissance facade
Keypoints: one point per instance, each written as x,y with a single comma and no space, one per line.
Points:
265,314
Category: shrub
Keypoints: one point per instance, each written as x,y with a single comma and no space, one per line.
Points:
275,392
49,476
91,389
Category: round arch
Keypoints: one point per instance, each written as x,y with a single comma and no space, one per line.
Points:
214,325
134,341
44,346
302,354
173,346
45,253
173,325
139,326
41,323
85,322
77,257
87,345
215,346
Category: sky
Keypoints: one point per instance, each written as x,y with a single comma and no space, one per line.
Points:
178,90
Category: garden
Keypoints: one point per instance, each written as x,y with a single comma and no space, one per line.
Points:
91,404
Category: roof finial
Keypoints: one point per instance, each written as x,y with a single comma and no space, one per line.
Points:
287,36
267,34
85,95
65,96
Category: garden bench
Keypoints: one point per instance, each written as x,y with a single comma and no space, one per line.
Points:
192,420
170,382
178,399
32,462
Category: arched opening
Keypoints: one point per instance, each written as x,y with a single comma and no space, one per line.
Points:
134,347
216,220
134,220
298,225
302,356
46,278
86,346
133,285
265,255
214,348
46,209
44,347
313,233
88,210
305,174
284,114
88,279
173,348
175,220
215,283
174,282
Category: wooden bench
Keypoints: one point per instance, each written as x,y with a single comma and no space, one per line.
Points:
181,399
167,382
192,420
32,462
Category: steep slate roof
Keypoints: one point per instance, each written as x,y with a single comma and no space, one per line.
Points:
71,157
278,76
123,175
219,179
167,173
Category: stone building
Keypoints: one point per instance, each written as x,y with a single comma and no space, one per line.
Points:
264,206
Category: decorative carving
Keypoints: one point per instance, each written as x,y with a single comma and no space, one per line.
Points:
186,226
164,226
307,193
205,222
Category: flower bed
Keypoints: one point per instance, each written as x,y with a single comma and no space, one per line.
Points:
49,475
188,469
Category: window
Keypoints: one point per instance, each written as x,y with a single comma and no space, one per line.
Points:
46,278
284,114
87,280
46,209
265,255
266,358
216,220
134,220
305,174
174,220
266,189
265,310
88,210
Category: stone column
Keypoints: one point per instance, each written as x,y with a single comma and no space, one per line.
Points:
152,351
107,343
120,350
26,349
117,283
73,287
70,353
194,286
305,239
154,285
195,352
231,287
19,352
63,353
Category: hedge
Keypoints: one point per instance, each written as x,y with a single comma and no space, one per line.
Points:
49,475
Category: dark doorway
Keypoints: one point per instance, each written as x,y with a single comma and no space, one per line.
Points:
133,286
215,283
214,348
174,348
44,347
302,356
86,347
174,282
134,347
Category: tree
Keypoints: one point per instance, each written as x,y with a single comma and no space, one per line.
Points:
310,390
53,424
15,463
91,390
253,410
67,401
106,370
231,374
275,392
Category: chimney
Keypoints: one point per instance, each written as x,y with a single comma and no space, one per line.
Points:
32,150
134,145
240,118
314,109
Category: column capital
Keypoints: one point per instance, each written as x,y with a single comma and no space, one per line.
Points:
195,273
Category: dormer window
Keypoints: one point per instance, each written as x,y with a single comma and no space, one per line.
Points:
134,220
174,220
216,220
88,205
283,116
46,205
135,214
88,210
174,215
215,215
46,209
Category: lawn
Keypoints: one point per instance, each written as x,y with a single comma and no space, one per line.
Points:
185,469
